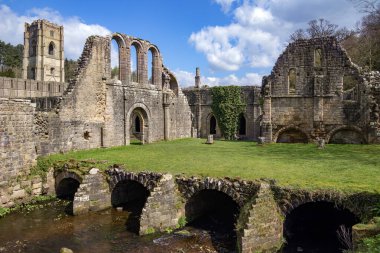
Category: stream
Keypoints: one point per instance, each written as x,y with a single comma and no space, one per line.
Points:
47,228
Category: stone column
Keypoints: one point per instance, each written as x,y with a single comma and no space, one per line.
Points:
166,104
25,61
123,66
318,99
266,125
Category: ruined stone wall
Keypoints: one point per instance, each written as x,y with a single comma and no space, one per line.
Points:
180,117
114,129
26,88
17,143
76,120
200,101
18,152
316,89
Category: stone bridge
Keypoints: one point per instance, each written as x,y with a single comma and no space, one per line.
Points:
262,213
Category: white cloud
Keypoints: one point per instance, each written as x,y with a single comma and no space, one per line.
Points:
186,79
260,29
226,4
76,31
248,15
244,42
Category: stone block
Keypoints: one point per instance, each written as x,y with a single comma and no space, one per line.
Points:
18,194
25,184
37,185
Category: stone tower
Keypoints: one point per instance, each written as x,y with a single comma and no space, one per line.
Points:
43,52
197,78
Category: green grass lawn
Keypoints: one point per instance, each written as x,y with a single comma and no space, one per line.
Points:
347,168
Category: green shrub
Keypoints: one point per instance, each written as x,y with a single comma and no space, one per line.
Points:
4,211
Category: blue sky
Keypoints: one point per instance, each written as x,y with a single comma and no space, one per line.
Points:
232,41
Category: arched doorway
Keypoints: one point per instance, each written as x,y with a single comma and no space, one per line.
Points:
131,197
242,125
212,129
138,131
292,135
318,227
215,212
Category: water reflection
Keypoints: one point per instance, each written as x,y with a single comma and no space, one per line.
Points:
49,228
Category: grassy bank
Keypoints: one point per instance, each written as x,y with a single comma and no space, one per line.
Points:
340,167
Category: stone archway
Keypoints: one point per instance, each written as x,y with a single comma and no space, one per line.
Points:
131,196
291,134
346,135
137,124
67,184
317,227
214,211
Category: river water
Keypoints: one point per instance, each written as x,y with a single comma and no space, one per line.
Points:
47,228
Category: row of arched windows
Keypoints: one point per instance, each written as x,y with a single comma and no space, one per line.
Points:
135,61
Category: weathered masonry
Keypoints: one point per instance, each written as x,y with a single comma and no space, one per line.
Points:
204,121
261,213
91,110
313,92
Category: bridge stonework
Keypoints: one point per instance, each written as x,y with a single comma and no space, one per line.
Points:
263,229
93,194
163,207
239,190
263,206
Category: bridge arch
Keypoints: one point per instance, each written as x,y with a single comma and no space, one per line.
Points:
346,135
291,134
215,211
131,192
67,184
318,225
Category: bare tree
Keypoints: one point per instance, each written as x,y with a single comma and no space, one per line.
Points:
320,28
368,6
298,34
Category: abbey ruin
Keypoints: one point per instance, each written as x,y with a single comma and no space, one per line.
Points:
314,92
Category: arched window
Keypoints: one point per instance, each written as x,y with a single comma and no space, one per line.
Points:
212,125
242,125
115,59
292,78
318,58
151,66
134,63
51,48
33,48
33,74
137,124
